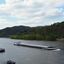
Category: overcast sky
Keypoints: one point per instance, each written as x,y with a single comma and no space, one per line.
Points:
30,12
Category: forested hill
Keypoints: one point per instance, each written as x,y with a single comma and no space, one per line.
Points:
14,30
55,30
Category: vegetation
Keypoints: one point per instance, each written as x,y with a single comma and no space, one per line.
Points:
33,37
52,32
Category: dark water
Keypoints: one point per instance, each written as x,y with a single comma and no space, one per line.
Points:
25,55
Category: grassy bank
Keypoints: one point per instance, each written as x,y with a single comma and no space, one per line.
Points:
34,37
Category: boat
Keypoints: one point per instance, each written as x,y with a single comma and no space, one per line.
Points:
28,45
11,62
35,46
2,50
50,48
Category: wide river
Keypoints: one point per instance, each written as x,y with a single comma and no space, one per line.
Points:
26,55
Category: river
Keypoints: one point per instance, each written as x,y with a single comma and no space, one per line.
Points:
26,55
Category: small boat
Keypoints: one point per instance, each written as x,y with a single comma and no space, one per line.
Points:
50,48
2,50
11,62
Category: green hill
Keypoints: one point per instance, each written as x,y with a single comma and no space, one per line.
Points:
51,32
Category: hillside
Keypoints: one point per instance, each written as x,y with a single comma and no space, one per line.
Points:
14,30
51,32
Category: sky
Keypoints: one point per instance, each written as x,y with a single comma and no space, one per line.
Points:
30,12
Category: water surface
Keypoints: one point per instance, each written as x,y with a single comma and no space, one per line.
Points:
26,55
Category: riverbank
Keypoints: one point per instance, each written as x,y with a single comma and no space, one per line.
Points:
34,37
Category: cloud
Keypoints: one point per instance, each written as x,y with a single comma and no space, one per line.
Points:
31,12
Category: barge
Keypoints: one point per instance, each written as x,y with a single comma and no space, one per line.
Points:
36,46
